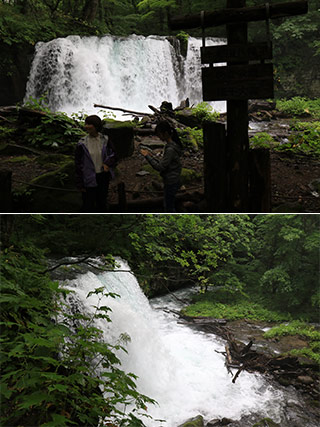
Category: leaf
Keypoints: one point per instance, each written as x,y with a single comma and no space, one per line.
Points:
33,399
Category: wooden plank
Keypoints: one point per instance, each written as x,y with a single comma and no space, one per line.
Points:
236,52
227,16
253,81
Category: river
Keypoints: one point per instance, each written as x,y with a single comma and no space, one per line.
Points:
176,365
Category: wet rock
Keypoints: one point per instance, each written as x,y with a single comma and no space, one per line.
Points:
218,422
304,379
194,422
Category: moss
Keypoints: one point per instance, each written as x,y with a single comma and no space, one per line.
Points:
153,172
20,159
188,176
265,422
53,159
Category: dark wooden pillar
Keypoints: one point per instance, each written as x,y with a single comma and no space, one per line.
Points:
215,167
237,127
259,180
5,191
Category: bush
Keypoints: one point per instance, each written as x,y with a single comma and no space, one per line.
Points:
298,106
204,112
49,374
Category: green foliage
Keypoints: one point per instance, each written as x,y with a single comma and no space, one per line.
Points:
233,311
300,329
304,139
49,357
55,129
262,140
299,106
191,138
188,248
204,112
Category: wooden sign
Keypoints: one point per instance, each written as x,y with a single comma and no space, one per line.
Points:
236,53
253,81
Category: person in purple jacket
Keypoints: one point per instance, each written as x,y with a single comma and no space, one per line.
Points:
95,160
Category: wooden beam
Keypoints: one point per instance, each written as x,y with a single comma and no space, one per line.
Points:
237,127
236,53
228,16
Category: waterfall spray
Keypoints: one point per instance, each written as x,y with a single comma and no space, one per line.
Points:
75,72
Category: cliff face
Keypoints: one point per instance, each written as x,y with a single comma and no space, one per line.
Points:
14,75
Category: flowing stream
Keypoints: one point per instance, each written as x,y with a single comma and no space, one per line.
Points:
177,366
125,72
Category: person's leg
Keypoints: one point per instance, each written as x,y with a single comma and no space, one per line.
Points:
170,192
88,199
103,180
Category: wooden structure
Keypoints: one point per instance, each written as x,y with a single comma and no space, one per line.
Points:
231,183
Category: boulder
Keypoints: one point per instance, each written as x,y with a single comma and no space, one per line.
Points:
194,422
121,134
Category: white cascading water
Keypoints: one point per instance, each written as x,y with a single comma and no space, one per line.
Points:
176,365
131,73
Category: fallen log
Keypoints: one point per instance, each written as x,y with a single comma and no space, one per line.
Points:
136,113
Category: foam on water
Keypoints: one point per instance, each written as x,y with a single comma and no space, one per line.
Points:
177,366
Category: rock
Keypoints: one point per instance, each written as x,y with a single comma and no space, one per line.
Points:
121,134
142,173
304,379
218,422
194,422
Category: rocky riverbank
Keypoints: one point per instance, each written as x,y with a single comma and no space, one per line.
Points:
298,378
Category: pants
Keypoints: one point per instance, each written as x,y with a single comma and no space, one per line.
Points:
170,191
94,199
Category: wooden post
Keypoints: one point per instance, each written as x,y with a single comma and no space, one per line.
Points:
122,200
215,166
5,191
259,180
237,128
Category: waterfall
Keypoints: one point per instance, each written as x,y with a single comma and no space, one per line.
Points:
177,366
131,73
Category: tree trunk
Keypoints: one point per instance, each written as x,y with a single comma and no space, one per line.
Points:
90,9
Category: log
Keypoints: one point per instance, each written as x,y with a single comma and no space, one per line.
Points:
136,113
228,16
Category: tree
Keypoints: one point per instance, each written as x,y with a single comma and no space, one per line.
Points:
289,253
188,249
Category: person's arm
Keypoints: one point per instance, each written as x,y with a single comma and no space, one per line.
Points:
78,158
110,157
162,164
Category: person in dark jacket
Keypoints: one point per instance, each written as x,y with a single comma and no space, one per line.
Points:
169,165
95,160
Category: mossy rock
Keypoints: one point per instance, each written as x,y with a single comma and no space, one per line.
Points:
194,422
55,191
188,176
266,422
153,172
121,135
20,159
53,159
188,118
